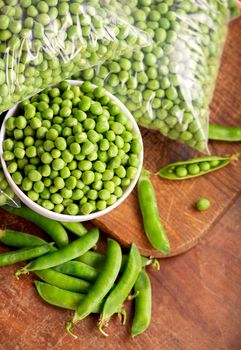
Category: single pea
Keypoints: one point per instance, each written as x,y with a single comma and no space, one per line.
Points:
56,198
19,153
88,177
125,182
60,143
71,182
131,172
92,194
193,169
86,208
214,163
20,122
66,193
75,148
104,194
46,158
87,147
34,175
58,182
203,204
55,153
47,204
48,145
26,184
110,186
181,171
38,186
118,192
34,196
67,156
45,170
101,205
58,208
35,123
52,134
204,166
72,209
85,103
29,141
107,175
12,167
58,164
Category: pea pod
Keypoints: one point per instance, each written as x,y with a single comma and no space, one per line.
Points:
60,297
10,258
97,259
78,269
20,239
195,167
55,230
63,281
121,290
143,304
102,285
150,214
75,227
224,133
70,252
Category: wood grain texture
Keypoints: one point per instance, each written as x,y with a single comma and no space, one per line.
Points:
196,302
183,224
196,296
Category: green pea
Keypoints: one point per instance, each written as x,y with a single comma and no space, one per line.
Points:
203,204
181,171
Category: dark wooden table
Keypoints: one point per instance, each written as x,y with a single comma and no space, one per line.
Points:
196,296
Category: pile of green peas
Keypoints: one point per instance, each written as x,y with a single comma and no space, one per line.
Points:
71,149
44,42
168,85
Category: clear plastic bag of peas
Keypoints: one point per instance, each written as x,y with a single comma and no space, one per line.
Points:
234,9
168,85
7,196
44,42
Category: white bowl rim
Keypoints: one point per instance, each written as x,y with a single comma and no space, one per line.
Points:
63,217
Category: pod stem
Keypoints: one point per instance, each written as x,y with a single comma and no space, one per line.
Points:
122,316
69,325
133,296
2,233
101,325
235,156
20,272
145,173
155,264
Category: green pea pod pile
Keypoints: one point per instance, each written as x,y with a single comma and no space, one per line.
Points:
45,42
168,85
100,283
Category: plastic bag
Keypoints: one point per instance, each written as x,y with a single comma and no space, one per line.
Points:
45,42
234,9
168,85
7,196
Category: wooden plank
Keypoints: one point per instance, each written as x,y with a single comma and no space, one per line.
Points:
196,303
184,225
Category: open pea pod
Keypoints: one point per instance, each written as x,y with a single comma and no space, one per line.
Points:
188,169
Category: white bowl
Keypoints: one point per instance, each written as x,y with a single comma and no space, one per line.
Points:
63,217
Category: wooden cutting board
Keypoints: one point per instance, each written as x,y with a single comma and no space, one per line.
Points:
183,224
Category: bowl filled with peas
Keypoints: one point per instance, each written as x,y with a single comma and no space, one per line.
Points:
72,152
